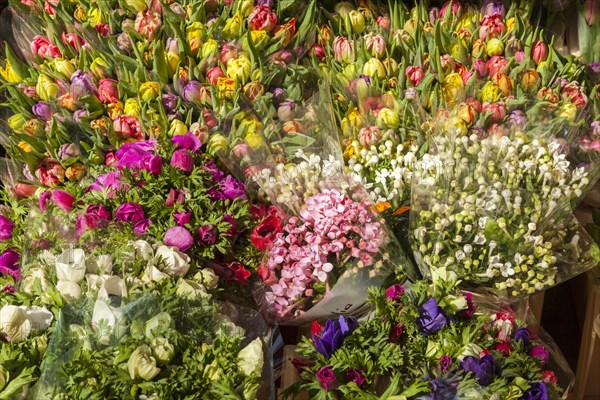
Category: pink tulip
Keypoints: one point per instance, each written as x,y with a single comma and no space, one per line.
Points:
108,92
539,52
414,74
343,49
43,47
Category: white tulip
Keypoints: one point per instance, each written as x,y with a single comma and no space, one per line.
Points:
69,290
175,262
70,265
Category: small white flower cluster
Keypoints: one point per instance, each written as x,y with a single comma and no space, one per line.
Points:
497,211
291,184
385,169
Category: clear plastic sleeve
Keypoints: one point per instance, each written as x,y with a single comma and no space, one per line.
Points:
328,243
497,209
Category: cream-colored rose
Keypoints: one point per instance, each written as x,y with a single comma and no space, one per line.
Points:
70,265
251,358
470,349
14,325
69,290
142,364
175,262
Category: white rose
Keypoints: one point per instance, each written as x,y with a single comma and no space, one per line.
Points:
70,265
190,289
175,262
29,280
152,274
14,325
69,290
251,359
107,321
112,285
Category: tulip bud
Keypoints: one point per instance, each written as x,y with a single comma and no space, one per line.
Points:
136,5
357,21
132,107
343,50
388,119
99,68
489,93
149,91
479,49
239,69
465,112
530,79
76,172
233,27
415,74
17,122
591,11
504,83
374,68
177,128
539,52
325,35
64,67
253,90
217,143
494,47
46,88
568,111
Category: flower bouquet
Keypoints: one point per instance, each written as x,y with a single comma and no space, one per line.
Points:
431,341
497,209
325,244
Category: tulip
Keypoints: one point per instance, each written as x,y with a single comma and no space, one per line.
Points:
191,91
453,7
177,128
357,21
530,79
50,172
64,67
383,22
497,111
132,108
136,5
147,23
318,51
75,172
491,7
374,68
128,127
262,18
149,91
81,84
254,90
99,68
343,50
591,11
494,47
239,69
213,74
504,83
43,111
43,47
287,111
539,52
388,119
108,91
46,88
415,74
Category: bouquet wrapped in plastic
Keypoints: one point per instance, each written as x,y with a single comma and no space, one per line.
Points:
159,346
431,341
325,243
496,207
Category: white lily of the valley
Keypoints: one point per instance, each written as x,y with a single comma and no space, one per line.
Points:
70,265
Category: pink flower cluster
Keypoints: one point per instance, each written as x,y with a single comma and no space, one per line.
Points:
331,234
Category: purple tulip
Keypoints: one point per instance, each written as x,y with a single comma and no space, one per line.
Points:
63,200
9,263
207,235
169,101
482,368
6,228
539,352
595,127
81,84
334,335
68,151
287,110
537,391
432,317
124,43
182,217
42,110
179,237
130,212
491,7
233,189
394,292
356,375
183,160
77,115
191,91
189,141
326,377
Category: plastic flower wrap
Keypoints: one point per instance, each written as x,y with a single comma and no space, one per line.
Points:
166,344
497,209
325,243
431,341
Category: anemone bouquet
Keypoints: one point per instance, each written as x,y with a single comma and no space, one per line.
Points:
430,341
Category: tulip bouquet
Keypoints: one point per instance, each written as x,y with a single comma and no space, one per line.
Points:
148,348
497,210
430,341
488,58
